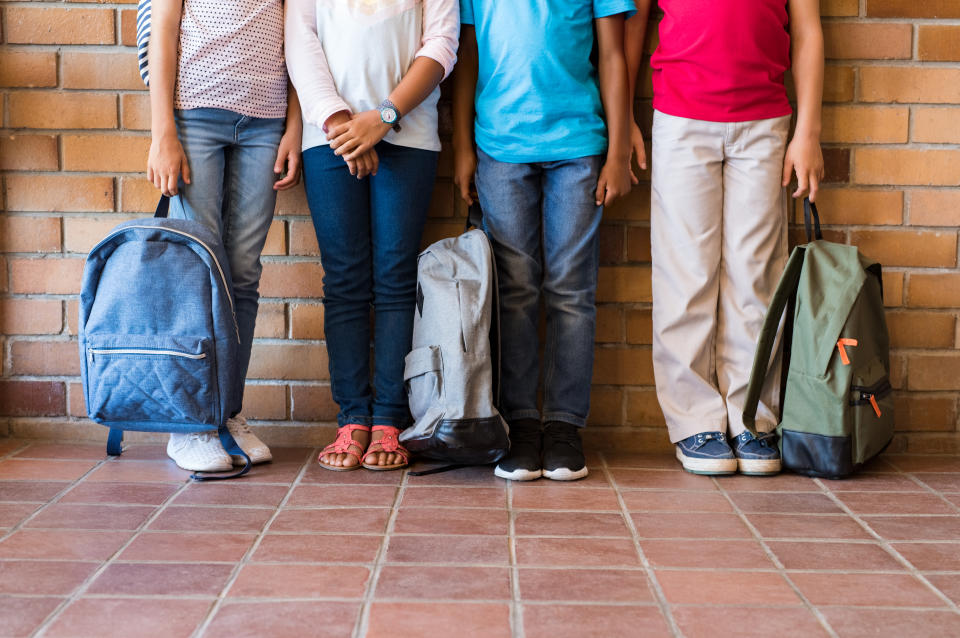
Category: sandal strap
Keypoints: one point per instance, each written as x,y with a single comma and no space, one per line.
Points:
389,444
344,441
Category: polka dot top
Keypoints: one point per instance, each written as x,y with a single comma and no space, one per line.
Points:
231,57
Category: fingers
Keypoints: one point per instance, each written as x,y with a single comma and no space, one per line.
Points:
601,190
346,147
375,159
363,166
814,184
352,165
358,148
787,171
803,182
185,167
641,154
338,130
464,187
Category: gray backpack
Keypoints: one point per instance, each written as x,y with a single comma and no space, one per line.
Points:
450,373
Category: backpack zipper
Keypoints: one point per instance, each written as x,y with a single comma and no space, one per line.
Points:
870,394
170,353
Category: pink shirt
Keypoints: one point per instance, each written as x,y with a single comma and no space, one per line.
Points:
722,60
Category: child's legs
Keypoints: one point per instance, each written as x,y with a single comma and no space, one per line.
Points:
753,257
399,199
685,236
570,257
340,207
510,195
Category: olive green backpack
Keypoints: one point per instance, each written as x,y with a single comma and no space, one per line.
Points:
837,399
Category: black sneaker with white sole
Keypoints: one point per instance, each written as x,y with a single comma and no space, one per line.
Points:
522,462
563,452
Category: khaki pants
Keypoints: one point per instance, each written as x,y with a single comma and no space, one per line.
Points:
719,240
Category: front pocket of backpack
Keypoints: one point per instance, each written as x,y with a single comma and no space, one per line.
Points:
153,378
423,376
871,399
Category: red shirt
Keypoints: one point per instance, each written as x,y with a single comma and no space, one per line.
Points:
722,60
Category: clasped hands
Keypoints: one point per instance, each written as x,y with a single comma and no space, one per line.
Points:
353,137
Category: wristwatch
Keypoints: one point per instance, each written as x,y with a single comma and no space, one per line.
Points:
390,114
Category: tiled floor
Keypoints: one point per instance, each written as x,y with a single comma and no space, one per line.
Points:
129,547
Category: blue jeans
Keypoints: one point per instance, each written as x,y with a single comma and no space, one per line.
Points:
369,234
542,220
231,159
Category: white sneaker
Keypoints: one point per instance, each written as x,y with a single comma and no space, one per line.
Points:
199,452
256,449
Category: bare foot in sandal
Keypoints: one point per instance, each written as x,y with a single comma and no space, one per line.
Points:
385,451
346,452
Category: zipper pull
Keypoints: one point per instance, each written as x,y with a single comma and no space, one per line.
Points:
873,402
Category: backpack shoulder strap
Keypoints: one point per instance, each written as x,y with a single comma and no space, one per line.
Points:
115,442
786,289
233,449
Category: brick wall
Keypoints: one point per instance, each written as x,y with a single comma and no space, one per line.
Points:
73,151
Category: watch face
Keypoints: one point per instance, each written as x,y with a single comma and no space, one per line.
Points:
388,115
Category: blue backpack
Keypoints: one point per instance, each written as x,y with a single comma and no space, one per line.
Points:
158,334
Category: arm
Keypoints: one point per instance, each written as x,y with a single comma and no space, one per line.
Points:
615,175
803,154
288,154
634,36
464,90
166,160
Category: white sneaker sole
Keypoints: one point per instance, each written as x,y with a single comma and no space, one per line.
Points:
564,474
518,475
759,467
255,459
707,466
213,467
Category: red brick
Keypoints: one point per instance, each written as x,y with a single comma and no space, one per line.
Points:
312,403
938,42
292,202
836,165
606,406
838,83
44,358
924,167
299,279
624,284
80,234
623,366
909,84
128,27
28,153
82,70
913,9
640,326
73,316
643,408
933,372
120,153
30,316
288,361
303,239
46,109
610,241
858,206
865,124
875,40
635,206
271,321
35,25
924,413
265,402
442,201
845,8
28,68
934,290
609,324
892,288
59,193
135,111
936,125
76,402
52,276
437,230
276,243
32,398
306,321
4,284
137,195
935,207
912,329
638,243
908,247
29,234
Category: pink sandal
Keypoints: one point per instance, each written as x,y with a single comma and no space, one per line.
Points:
342,445
389,444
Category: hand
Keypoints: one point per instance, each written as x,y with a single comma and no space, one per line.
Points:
464,168
638,150
354,138
288,156
804,157
166,162
614,180
365,164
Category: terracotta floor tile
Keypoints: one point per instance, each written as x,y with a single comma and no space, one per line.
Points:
926,463
785,502
120,493
584,585
37,578
176,546
785,482
931,556
894,503
257,580
747,554
251,494
308,619
11,514
153,618
873,483
641,461
443,583
558,497
121,470
433,520
949,584
577,552
316,474
76,516
8,446
592,621
682,525
596,479
235,519
338,495
883,590
62,544
285,467
851,622
747,622
661,480
145,451
953,498
30,491
916,528
569,524
417,620
64,451
429,496
43,470
941,482
676,501
20,615
807,526
834,556
476,476
318,548
162,579
352,520
725,588
477,550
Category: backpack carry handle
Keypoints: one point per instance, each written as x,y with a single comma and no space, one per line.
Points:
163,207
810,210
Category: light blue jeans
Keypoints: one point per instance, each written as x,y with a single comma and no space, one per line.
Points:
542,220
231,159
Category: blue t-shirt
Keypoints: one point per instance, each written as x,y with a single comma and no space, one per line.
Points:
538,98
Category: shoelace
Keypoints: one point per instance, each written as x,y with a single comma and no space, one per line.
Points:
704,437
564,435
202,437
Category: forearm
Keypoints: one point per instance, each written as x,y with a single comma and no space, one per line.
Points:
164,39
634,39
417,84
613,86
807,53
464,89
294,116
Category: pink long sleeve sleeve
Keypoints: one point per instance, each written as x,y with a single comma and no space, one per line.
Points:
441,32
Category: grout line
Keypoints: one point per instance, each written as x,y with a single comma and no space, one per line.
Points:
201,628
776,560
913,477
659,597
516,604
